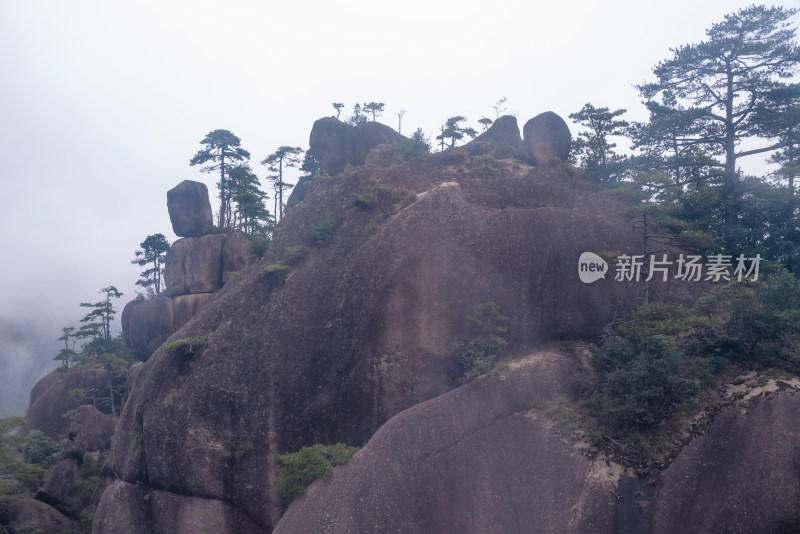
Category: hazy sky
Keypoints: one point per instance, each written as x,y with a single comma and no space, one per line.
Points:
102,104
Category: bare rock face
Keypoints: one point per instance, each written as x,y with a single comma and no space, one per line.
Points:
187,306
150,323
742,475
203,264
501,140
195,268
290,355
335,143
546,137
476,459
189,209
236,254
18,515
46,413
179,514
90,431
124,509
175,267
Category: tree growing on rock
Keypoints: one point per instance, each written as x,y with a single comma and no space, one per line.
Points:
338,106
221,152
97,324
594,150
373,108
720,91
454,131
152,254
285,156
250,215
358,116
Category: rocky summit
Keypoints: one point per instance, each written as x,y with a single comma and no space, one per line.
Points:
350,330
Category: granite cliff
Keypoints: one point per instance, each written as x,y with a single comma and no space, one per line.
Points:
381,262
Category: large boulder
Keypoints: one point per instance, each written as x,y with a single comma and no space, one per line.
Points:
23,515
477,459
175,267
237,253
68,390
335,143
203,264
90,431
189,209
546,138
742,475
150,322
187,306
501,140
124,509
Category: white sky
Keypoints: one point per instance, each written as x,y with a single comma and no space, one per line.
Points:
102,104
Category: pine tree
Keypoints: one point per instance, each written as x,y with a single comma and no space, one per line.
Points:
714,94
221,153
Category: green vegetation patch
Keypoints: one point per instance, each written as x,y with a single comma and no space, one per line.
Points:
310,463
479,355
187,345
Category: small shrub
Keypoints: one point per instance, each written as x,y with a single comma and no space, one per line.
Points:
297,250
310,463
40,449
276,269
481,353
235,276
457,156
259,245
186,345
323,232
365,201
486,159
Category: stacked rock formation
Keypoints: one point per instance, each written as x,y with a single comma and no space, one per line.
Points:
196,267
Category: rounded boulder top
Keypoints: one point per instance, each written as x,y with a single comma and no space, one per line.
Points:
547,136
190,209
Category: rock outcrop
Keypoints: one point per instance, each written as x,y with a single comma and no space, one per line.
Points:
189,209
290,350
195,268
480,458
742,475
348,331
66,391
546,138
335,143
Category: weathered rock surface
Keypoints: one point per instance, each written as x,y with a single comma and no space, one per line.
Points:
149,323
175,267
546,137
90,431
203,264
501,140
742,475
46,413
477,459
195,268
290,352
19,515
187,306
335,143
124,509
236,254
189,209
